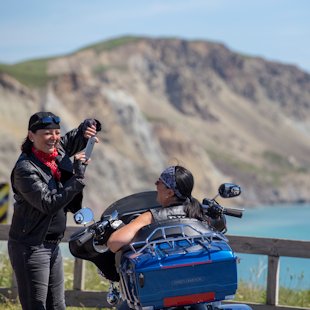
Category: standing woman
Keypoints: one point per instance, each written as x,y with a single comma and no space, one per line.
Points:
46,186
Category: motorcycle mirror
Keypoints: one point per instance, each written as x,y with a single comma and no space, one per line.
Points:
114,215
228,190
83,216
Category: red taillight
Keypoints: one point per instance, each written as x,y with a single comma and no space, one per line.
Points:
188,299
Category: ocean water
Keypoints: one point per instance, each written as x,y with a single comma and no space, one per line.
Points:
290,221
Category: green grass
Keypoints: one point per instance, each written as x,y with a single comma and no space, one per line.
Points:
92,282
33,73
221,158
273,171
30,73
247,292
111,44
100,69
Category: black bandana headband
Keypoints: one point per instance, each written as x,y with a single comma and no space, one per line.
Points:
168,178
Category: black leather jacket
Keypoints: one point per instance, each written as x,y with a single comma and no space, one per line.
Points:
38,196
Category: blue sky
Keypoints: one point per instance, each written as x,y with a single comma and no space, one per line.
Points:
276,30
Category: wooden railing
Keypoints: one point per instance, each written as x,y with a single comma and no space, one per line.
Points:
273,248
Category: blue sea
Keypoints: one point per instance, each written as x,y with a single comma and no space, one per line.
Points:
290,221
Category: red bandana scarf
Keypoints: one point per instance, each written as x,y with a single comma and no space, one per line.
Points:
49,161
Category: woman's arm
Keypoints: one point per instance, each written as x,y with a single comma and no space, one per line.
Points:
125,234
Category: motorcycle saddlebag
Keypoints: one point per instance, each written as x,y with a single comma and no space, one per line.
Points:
179,273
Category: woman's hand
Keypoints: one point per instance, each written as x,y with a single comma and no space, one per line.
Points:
80,164
90,132
90,128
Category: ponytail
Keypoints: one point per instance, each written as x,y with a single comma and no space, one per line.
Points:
185,184
193,209
26,146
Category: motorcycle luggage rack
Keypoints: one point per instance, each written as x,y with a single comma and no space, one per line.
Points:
162,235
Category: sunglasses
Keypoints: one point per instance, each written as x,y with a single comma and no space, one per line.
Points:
159,181
47,120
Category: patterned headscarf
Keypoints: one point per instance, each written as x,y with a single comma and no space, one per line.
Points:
168,178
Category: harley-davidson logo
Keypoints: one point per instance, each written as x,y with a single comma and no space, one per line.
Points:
188,281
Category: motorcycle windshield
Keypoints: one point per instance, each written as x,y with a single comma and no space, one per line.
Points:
133,204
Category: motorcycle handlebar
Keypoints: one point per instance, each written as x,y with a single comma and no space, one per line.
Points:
233,212
86,236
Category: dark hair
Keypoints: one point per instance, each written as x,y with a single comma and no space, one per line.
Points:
185,184
26,146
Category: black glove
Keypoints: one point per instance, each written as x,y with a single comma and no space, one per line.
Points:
89,122
79,168
214,211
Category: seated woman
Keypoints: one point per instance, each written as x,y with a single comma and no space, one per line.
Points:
174,193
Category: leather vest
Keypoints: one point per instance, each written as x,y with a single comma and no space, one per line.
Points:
168,213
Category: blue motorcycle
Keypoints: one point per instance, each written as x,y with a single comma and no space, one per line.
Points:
178,263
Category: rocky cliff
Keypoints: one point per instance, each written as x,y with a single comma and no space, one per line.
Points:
227,117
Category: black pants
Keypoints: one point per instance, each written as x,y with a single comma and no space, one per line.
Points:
39,275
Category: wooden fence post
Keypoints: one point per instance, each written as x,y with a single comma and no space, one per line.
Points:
273,280
78,276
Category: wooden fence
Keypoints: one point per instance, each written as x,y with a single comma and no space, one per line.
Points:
273,248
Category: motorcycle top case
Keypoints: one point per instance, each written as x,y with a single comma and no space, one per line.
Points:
178,271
